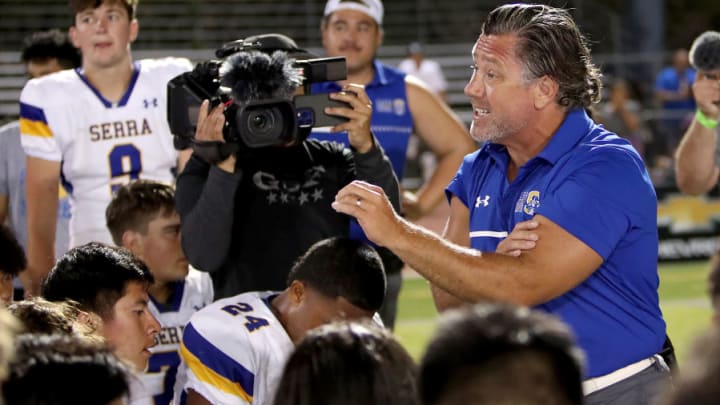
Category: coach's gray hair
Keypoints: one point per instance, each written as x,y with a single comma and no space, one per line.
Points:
550,43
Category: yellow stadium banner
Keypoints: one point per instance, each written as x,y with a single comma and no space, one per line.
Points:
688,226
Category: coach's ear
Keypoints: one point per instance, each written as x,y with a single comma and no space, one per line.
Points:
297,292
545,92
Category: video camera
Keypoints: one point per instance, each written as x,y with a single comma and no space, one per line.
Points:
256,78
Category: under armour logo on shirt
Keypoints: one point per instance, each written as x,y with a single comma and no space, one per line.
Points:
150,102
484,201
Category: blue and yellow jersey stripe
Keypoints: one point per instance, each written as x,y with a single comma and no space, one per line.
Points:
214,367
33,121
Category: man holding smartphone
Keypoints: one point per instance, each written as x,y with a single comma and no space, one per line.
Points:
402,106
247,217
697,160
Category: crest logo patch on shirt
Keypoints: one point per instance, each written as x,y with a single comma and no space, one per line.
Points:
532,202
399,106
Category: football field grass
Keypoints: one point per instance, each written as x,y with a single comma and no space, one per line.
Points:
683,298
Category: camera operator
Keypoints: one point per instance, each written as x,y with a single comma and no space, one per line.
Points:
248,216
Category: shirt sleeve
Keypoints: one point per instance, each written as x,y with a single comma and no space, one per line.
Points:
201,197
211,372
38,133
602,199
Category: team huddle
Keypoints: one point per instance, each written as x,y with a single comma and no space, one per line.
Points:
245,266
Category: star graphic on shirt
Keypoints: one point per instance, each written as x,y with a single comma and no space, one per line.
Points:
317,194
272,198
304,197
284,198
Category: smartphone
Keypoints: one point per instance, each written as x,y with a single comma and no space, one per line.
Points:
311,110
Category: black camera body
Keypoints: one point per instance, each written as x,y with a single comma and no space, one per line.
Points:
255,82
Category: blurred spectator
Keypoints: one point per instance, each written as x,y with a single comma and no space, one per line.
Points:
141,218
346,363
12,263
95,127
501,354
65,370
234,350
427,70
620,114
43,52
673,91
698,156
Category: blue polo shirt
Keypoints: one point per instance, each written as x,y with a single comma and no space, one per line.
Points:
594,185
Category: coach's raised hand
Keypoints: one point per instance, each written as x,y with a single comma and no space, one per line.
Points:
371,207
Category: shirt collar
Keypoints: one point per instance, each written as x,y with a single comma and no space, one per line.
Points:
571,131
380,78
574,128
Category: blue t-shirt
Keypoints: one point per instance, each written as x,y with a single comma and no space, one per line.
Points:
594,185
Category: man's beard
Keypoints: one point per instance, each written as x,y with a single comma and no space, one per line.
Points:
495,132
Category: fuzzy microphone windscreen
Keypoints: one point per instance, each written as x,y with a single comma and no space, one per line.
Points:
255,75
705,51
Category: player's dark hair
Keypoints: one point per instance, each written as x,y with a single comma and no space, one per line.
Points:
95,276
44,45
341,267
477,350
78,6
12,259
350,364
135,205
48,368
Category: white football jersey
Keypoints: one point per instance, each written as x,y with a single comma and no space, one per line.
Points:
191,295
234,350
101,145
138,393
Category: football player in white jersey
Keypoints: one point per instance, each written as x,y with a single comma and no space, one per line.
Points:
96,127
234,350
141,218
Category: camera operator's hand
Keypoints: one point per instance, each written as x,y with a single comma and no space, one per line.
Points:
210,129
358,128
